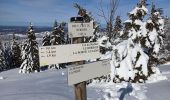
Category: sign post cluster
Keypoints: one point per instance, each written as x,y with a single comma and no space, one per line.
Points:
77,53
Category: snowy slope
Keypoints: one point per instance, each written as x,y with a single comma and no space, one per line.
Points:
52,85
48,85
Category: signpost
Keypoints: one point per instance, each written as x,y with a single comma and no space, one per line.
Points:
80,73
77,53
68,53
80,29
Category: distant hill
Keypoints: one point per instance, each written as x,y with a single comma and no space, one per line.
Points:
21,29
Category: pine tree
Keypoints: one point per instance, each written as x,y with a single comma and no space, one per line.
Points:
46,42
115,37
46,39
8,56
154,39
2,59
16,53
166,49
55,37
30,53
129,55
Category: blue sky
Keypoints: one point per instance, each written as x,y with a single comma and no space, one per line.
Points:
44,12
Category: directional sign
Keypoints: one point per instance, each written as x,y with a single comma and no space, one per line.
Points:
80,29
68,53
77,74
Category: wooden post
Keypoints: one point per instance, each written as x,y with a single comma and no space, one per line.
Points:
79,88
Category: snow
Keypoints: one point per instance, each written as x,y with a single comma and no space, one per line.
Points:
62,73
128,21
51,84
102,41
143,9
107,55
124,57
1,78
45,85
156,77
153,35
138,22
30,30
120,91
168,63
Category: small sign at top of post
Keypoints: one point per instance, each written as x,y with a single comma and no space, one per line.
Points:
80,29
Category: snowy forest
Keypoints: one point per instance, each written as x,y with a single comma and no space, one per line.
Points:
135,46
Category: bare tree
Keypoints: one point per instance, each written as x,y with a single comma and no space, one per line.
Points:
109,16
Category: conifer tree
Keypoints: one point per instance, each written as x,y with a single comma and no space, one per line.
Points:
129,55
115,37
166,48
30,53
57,35
2,59
154,39
8,56
16,53
46,39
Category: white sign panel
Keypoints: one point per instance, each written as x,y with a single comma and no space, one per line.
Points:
68,53
80,29
77,74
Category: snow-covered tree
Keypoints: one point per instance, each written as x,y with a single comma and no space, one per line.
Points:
166,50
2,59
30,53
16,53
129,60
154,39
8,56
58,35
46,39
115,37
104,44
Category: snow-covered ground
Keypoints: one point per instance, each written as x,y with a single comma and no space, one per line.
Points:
52,85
